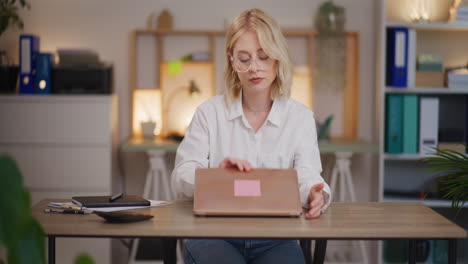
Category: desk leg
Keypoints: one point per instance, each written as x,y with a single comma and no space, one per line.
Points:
320,251
51,249
170,250
412,251
306,250
452,254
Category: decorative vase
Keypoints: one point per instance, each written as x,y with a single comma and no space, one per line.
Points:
147,129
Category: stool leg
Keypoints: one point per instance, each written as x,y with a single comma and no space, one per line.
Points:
165,187
133,250
333,181
349,179
147,188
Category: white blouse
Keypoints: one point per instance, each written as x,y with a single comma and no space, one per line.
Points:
287,139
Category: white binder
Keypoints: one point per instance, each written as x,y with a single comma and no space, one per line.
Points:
428,125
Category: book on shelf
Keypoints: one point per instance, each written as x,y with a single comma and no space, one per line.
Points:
457,79
28,49
411,82
454,146
394,124
430,63
401,134
397,57
410,123
429,79
428,124
43,78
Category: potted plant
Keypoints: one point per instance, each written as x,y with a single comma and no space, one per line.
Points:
9,17
452,167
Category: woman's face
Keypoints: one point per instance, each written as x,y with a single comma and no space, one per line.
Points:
261,73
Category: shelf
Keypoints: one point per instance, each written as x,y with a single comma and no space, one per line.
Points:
425,90
431,26
292,32
403,156
428,202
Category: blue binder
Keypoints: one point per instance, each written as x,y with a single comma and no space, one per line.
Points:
28,49
43,80
397,57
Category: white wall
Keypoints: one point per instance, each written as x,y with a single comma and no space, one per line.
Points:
105,26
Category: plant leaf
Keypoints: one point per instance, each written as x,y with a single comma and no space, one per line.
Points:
30,247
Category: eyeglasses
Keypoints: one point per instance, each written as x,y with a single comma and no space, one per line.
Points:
244,65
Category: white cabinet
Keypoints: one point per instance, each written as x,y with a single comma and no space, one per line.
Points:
64,146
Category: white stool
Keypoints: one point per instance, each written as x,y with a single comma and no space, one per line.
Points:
342,171
157,187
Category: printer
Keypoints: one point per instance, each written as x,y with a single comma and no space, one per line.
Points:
80,71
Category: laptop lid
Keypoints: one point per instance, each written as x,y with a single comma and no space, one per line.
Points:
260,192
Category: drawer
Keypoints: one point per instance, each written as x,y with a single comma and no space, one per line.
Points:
63,168
67,249
56,119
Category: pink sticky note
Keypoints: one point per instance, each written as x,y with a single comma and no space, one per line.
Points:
247,188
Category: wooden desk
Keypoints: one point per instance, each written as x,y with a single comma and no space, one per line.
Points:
157,176
357,220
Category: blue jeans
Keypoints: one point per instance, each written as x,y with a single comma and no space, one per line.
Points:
224,251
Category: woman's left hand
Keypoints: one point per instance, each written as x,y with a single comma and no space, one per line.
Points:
316,201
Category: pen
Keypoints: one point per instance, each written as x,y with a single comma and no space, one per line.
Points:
115,197
67,211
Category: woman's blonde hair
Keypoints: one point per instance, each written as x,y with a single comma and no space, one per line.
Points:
273,44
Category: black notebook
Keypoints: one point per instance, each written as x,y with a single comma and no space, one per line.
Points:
104,201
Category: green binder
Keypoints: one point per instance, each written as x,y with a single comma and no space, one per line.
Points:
410,123
394,124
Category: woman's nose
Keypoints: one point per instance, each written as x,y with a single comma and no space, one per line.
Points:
255,66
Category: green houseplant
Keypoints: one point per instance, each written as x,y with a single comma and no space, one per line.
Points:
9,14
20,234
9,18
452,168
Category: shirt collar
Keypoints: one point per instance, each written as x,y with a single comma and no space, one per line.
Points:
274,117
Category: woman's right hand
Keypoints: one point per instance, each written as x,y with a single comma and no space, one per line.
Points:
241,165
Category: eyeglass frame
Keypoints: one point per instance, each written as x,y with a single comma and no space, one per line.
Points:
250,65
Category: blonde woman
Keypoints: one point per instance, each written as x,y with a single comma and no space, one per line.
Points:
254,124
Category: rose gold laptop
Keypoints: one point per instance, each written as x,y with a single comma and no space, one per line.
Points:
260,192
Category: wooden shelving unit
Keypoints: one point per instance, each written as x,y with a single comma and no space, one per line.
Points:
350,102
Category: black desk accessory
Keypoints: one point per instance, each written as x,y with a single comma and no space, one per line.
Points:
120,200
123,216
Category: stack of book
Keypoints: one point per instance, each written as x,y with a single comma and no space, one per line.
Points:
462,14
458,79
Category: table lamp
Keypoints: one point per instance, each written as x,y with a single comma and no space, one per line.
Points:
184,86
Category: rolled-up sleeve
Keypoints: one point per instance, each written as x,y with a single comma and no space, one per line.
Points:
307,163
192,153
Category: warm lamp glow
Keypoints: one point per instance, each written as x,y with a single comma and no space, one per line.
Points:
146,107
301,89
183,91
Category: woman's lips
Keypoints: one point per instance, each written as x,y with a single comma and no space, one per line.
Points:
256,80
